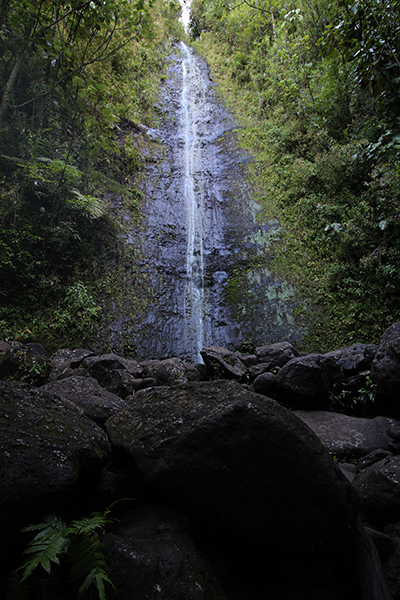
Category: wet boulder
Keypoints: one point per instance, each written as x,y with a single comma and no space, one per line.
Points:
223,363
303,382
349,437
96,402
278,354
259,369
195,372
386,368
151,555
51,454
239,461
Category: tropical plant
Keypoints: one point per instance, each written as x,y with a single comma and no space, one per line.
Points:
64,559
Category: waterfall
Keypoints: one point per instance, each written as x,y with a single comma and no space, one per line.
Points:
194,307
201,252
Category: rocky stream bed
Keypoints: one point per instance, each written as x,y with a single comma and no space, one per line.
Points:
247,480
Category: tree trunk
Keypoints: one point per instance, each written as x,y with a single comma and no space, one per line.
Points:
5,101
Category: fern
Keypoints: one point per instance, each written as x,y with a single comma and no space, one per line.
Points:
78,542
51,541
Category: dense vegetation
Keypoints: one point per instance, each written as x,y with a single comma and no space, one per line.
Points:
315,85
78,85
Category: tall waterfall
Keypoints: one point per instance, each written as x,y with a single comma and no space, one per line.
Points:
201,251
194,298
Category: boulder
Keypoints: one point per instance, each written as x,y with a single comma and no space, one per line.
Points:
195,372
240,460
259,369
278,354
265,384
151,556
303,382
119,382
99,366
65,362
96,402
354,359
170,371
51,454
386,367
379,489
348,437
223,363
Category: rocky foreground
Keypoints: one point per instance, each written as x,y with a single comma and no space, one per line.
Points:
253,476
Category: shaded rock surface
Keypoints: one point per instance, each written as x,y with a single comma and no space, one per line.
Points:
50,451
151,555
304,382
379,489
229,453
345,436
96,402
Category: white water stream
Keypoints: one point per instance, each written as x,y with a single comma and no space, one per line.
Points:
194,299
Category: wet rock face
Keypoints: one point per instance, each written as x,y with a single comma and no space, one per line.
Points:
49,452
239,458
201,231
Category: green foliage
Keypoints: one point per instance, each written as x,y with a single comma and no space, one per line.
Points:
358,403
313,85
70,555
78,85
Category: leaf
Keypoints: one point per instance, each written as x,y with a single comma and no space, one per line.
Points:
51,541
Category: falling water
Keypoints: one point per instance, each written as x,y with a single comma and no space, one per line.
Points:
194,298
201,251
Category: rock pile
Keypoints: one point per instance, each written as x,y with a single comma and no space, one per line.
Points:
236,497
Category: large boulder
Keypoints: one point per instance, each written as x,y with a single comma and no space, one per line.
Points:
51,454
304,382
239,459
379,489
66,362
151,555
278,354
349,437
354,359
99,366
170,371
223,363
96,402
386,367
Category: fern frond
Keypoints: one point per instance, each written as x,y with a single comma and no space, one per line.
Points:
17,590
90,524
44,549
87,583
94,207
87,555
